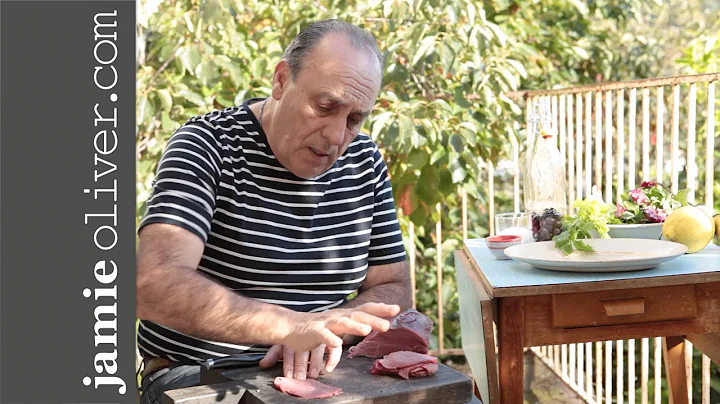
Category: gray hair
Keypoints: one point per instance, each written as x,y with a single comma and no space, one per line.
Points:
296,53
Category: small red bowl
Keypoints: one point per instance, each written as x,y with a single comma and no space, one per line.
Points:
498,244
504,238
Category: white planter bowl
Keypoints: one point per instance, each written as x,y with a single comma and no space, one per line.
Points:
651,231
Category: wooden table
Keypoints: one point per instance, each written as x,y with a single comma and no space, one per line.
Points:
507,305
255,386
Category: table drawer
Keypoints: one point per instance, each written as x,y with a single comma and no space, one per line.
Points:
624,306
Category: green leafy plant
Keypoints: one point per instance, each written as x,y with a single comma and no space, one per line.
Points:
592,214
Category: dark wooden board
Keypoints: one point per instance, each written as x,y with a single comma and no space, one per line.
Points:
223,393
359,386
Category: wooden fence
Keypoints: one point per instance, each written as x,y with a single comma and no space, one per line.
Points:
602,148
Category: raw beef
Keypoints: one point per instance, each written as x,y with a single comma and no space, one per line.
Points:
409,331
403,359
405,364
418,371
307,388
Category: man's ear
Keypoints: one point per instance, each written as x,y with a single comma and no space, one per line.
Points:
281,79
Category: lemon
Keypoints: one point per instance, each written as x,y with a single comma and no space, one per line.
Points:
690,226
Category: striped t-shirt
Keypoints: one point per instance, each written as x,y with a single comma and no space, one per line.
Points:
269,235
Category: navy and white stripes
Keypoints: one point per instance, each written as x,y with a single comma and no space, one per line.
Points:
271,236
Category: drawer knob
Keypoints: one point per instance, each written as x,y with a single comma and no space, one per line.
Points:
624,307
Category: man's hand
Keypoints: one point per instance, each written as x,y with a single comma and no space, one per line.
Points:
314,333
310,330
295,364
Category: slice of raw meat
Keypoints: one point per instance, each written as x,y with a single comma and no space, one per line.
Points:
424,370
403,359
405,364
307,388
409,331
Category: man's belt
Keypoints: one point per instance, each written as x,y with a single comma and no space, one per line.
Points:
155,364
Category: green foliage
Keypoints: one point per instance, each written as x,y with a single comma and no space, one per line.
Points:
592,215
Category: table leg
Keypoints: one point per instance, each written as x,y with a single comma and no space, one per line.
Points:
709,344
511,324
488,320
675,369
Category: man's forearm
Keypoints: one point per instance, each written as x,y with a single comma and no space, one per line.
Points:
190,303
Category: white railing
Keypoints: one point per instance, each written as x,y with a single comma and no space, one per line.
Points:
574,362
603,149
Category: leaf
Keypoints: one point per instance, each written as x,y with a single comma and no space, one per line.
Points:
448,57
406,127
513,106
582,246
458,173
388,7
427,185
188,22
426,46
419,216
446,184
240,97
259,67
417,159
457,143
379,123
211,11
207,72
518,67
581,52
471,13
232,67
682,196
469,132
142,100
168,123
580,6
437,155
498,32
193,97
165,99
191,58
710,44
442,104
460,99
508,78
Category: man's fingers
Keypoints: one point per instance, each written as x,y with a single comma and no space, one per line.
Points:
301,364
274,354
379,309
333,359
288,362
345,325
330,338
377,323
316,361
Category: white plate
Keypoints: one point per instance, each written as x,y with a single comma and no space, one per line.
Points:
611,255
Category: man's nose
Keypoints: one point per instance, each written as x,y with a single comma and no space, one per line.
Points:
334,133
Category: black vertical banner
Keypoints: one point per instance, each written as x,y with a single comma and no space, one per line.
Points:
67,204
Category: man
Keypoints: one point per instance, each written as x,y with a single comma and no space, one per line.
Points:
265,217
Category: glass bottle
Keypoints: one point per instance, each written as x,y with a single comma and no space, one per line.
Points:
545,181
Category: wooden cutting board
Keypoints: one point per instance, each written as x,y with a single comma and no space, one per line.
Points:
359,386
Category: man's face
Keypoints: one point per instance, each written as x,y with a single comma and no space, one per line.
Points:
318,115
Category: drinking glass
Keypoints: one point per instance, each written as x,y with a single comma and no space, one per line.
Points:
515,223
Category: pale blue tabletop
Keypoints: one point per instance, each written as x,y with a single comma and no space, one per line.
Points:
513,278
